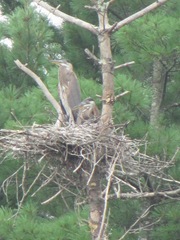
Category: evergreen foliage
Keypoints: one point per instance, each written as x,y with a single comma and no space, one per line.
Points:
158,39
136,104
32,42
74,41
8,6
169,227
29,225
121,218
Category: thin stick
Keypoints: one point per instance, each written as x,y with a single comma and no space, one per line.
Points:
106,197
124,65
144,214
121,95
92,56
53,197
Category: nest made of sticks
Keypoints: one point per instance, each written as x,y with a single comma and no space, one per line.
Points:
85,143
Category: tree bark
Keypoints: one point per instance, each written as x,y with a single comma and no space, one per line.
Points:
96,205
107,66
158,91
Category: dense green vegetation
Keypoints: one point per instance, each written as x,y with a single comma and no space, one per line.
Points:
22,104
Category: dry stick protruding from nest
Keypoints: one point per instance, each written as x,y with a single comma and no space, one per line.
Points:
76,136
25,191
143,215
45,183
5,183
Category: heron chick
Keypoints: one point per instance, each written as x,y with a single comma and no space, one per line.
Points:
87,111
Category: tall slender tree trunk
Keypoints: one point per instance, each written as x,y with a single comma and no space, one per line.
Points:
107,65
96,202
96,205
158,91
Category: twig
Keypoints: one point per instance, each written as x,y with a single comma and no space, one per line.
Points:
23,180
59,192
121,95
112,167
94,8
78,167
144,214
165,194
53,197
45,183
125,183
16,119
92,56
146,227
7,180
94,167
25,193
124,65
174,105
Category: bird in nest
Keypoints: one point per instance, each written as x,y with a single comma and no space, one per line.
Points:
70,96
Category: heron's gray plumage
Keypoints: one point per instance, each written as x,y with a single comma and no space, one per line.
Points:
68,79
69,90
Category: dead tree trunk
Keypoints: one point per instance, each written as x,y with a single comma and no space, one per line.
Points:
96,202
107,65
96,205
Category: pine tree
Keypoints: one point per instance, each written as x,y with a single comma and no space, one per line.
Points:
32,42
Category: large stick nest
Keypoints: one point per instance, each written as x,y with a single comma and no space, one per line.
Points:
85,143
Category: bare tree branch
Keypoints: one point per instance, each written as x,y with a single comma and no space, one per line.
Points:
165,194
121,95
124,65
67,17
174,105
46,92
139,14
143,215
53,197
109,178
92,56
